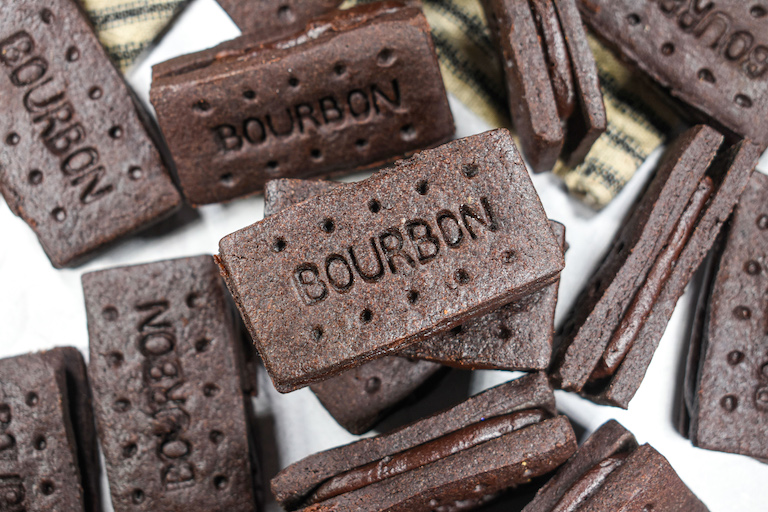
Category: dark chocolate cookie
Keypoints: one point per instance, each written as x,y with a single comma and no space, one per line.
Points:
495,440
727,396
80,159
165,365
616,326
49,458
611,472
711,55
353,90
437,239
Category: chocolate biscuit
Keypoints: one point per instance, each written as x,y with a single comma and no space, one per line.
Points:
517,336
608,343
495,440
611,472
48,453
552,86
726,401
165,366
351,91
419,248
359,398
80,160
711,55
269,18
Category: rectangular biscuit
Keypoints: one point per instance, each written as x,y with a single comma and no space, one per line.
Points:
80,162
730,173
470,473
165,366
727,405
611,472
49,458
611,289
713,56
269,18
517,336
532,101
552,85
352,90
449,234
583,128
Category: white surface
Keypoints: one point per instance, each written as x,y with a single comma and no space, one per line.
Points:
43,307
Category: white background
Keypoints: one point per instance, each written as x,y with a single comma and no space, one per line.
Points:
41,307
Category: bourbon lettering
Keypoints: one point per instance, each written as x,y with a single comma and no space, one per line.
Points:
329,112
59,129
721,32
395,251
163,377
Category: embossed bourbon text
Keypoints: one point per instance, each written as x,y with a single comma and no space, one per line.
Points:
394,251
163,378
332,112
54,119
717,29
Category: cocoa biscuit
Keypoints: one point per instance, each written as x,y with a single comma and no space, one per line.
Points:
419,248
495,440
614,332
552,85
713,57
351,91
165,369
48,453
517,336
531,98
80,160
589,121
641,238
359,398
270,18
730,174
611,472
727,397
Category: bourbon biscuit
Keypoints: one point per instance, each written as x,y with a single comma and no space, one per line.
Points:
516,336
352,90
613,332
80,161
459,457
727,398
171,406
713,56
449,234
49,458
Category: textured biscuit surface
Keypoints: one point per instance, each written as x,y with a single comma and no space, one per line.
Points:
48,455
165,370
466,474
79,162
611,472
712,55
353,90
729,406
612,288
439,238
267,18
516,336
